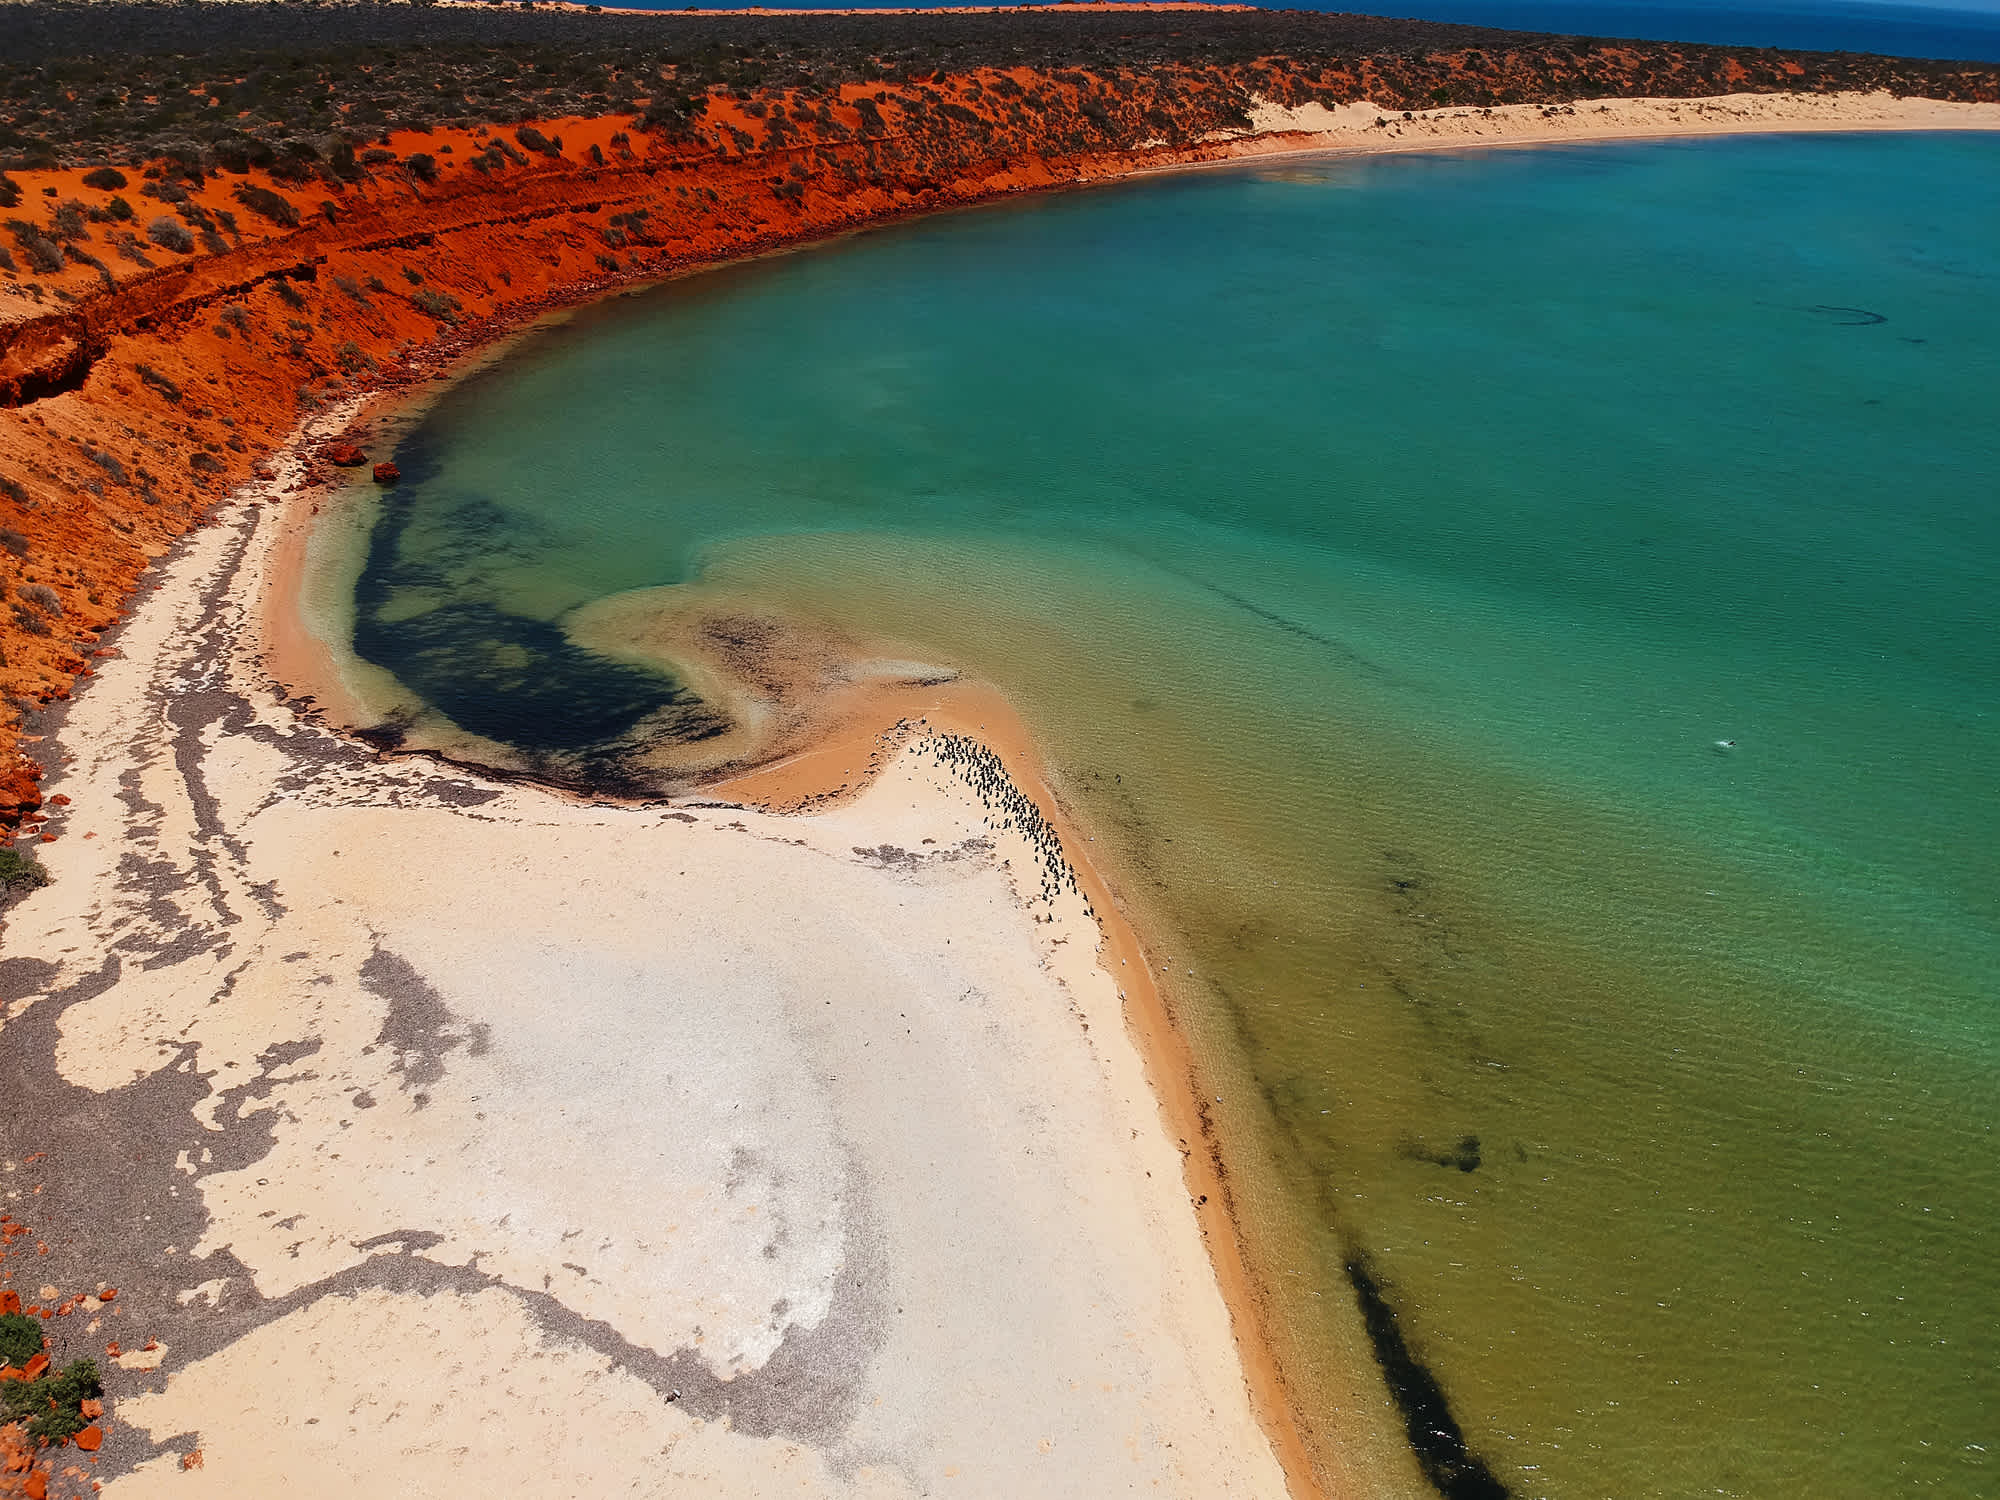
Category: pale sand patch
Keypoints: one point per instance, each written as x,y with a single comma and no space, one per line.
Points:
487,1104
1355,128
578,1424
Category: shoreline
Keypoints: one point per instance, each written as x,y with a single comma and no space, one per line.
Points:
806,779
1366,130
1163,1048
982,712
822,776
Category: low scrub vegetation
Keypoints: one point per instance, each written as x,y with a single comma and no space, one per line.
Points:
309,92
19,873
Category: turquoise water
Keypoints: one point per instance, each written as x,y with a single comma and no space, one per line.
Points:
1381,549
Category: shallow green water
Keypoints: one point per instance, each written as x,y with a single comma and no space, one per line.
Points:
1381,549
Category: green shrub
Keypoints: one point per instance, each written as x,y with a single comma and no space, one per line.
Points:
104,179
52,1407
20,1335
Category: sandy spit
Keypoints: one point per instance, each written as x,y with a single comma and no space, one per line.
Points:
487,1140
1368,128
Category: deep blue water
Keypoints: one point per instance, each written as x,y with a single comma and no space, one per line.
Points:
1892,30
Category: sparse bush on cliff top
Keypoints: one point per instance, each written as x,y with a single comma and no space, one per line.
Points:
43,253
267,204
130,248
170,234
105,179
422,165
68,223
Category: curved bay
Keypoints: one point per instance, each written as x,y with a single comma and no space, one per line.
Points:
1520,624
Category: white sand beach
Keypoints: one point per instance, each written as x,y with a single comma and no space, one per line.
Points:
1367,127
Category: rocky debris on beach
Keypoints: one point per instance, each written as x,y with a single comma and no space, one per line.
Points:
46,1406
343,455
387,473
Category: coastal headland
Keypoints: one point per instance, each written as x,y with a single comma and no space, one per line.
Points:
819,1133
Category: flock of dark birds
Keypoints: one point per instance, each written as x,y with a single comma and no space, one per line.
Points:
1008,807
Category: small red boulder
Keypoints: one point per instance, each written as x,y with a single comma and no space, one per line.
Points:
387,473
345,456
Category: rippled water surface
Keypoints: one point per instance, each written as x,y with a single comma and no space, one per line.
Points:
1523,626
